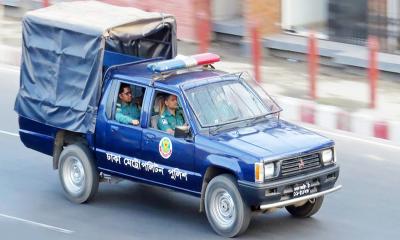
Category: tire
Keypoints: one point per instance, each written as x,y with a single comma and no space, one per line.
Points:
308,209
80,186
226,211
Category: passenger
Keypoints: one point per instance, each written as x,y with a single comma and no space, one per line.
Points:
127,111
171,115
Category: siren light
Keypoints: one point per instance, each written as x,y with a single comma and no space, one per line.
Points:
182,62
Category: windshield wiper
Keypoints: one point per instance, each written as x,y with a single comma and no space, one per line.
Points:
224,126
261,118
257,119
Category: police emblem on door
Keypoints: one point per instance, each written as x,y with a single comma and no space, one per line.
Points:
165,147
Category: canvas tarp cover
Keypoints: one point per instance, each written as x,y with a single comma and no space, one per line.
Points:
62,57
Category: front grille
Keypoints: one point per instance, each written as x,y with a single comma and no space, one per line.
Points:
294,166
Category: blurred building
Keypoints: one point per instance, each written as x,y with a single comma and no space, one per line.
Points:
337,20
345,21
227,17
353,21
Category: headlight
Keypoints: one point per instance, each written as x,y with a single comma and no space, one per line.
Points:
264,171
327,156
269,170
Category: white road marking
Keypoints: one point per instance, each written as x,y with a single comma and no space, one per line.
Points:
11,68
9,133
62,230
375,141
374,157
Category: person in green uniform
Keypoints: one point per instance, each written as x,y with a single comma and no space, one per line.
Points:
127,111
172,116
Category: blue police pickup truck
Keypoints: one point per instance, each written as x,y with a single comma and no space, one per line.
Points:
108,100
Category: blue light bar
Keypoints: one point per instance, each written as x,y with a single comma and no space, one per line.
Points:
164,66
183,62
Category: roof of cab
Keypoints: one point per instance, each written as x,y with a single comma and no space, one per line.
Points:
138,73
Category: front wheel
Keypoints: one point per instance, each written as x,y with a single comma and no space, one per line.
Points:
78,175
226,211
310,208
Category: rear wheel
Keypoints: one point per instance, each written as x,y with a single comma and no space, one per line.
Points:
310,208
226,211
78,175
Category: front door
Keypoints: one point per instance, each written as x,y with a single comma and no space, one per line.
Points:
174,156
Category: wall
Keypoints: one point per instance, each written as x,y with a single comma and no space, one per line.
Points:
303,12
183,10
266,12
393,11
221,11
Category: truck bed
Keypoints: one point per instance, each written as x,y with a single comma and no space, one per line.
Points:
114,58
37,136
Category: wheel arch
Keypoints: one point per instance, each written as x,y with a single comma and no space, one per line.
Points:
211,172
62,139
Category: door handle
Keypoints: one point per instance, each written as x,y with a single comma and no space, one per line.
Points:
114,129
150,136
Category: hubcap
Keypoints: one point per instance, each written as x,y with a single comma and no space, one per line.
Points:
223,208
74,175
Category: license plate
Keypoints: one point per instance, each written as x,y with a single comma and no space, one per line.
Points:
301,189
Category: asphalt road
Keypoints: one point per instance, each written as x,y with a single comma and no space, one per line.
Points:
32,205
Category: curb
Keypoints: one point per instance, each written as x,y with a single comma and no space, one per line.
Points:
331,117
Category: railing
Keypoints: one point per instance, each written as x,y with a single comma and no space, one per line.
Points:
353,21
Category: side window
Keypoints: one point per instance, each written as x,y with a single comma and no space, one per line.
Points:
128,104
110,99
167,113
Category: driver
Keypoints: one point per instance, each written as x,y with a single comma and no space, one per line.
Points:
171,116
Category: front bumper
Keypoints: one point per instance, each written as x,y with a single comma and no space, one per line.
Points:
279,193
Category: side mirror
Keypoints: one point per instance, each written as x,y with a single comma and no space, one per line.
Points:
182,132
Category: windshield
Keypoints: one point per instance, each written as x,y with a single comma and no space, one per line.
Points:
224,102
